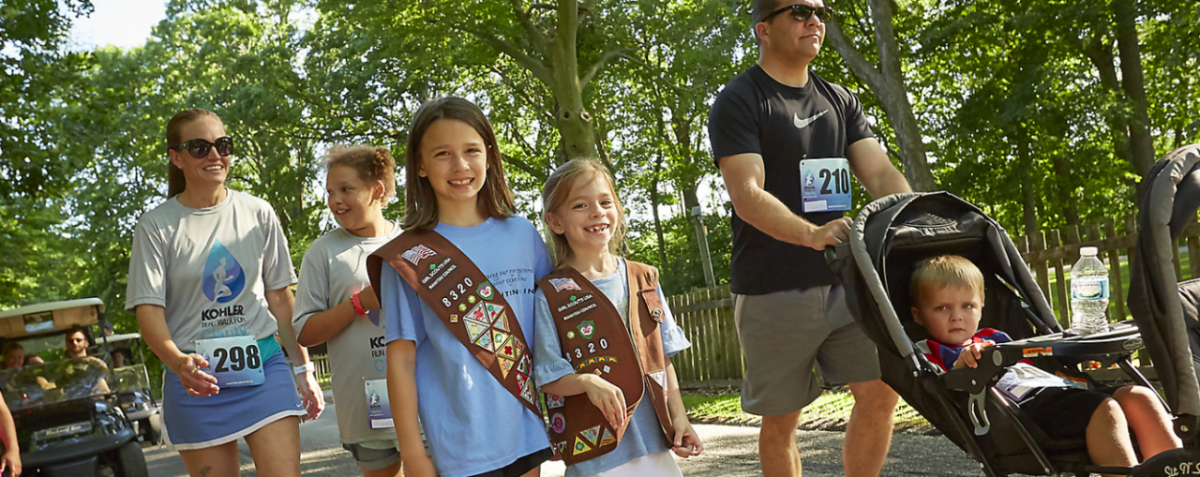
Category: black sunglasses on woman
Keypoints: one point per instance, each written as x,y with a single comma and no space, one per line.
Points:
199,148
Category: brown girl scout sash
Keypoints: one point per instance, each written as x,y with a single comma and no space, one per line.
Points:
595,340
461,295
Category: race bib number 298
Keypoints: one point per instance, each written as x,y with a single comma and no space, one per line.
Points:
234,361
825,184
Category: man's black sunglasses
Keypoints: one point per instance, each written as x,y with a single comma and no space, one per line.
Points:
803,12
199,148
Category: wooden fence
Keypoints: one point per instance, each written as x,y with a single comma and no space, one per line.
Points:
706,315
323,374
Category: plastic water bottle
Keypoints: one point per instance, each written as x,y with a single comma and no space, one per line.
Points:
1089,294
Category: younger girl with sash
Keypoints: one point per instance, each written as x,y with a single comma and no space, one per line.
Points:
456,294
604,339
330,308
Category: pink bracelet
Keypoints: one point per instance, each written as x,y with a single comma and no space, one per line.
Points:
357,305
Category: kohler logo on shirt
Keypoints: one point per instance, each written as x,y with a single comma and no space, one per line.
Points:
234,311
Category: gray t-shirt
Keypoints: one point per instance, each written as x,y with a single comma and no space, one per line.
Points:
210,268
334,267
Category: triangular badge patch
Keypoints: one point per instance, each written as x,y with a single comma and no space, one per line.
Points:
499,337
659,377
478,314
591,434
523,364
505,366
484,341
475,329
501,323
580,446
506,350
527,394
493,310
516,344
607,439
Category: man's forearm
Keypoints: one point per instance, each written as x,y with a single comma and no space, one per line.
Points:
887,182
768,214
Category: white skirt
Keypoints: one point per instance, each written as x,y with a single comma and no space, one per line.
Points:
661,464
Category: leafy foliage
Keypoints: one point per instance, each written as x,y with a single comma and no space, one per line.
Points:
1021,107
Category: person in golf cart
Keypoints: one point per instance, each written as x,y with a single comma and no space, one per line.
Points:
76,341
14,356
66,412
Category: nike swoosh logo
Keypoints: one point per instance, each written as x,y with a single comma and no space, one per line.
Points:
803,123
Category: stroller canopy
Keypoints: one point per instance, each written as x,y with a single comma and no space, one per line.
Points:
1169,201
891,234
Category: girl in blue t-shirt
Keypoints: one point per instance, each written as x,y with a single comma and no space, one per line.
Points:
455,187
583,211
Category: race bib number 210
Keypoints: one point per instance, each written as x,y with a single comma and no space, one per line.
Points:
825,185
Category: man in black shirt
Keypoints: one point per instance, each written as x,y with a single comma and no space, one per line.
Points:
787,143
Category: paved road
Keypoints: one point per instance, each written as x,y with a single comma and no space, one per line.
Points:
729,451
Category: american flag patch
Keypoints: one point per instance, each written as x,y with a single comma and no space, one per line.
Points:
416,254
561,284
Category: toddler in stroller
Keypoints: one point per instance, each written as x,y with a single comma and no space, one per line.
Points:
889,238
948,299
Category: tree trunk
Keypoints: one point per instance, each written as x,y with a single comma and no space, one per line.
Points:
1098,51
553,59
663,265
1064,181
681,125
887,84
1063,186
574,123
1132,81
1028,194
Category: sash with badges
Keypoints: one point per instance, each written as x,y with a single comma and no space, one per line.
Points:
595,340
825,185
461,295
235,361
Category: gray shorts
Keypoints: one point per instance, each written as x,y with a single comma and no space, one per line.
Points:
374,455
783,334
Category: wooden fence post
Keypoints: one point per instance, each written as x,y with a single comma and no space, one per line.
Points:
1115,285
1041,271
1063,305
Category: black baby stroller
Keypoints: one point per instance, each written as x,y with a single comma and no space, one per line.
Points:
889,237
1166,310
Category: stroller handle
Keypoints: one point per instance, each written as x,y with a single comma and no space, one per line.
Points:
832,254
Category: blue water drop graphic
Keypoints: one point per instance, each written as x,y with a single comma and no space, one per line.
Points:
223,275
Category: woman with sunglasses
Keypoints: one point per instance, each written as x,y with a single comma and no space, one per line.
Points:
788,144
208,276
